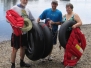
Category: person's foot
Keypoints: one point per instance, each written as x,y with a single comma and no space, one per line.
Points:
23,64
50,58
12,66
43,60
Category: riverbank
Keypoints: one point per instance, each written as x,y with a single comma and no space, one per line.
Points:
57,54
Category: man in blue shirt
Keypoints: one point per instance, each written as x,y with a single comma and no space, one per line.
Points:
55,17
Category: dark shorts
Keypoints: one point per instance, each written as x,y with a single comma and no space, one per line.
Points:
18,41
54,35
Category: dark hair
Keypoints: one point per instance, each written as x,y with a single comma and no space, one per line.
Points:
54,2
69,5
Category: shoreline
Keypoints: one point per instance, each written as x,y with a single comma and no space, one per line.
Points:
84,25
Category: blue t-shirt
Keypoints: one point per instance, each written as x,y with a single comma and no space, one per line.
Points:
55,16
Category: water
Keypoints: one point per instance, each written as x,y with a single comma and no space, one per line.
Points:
81,7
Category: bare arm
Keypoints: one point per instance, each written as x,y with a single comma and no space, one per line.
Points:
59,23
78,20
56,23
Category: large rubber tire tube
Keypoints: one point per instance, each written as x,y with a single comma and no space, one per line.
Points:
62,32
48,43
35,48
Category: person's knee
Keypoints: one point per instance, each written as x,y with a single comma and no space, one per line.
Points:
22,48
14,50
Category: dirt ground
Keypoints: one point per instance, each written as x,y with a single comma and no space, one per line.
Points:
57,54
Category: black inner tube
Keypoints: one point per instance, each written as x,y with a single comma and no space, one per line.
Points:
48,41
64,32
35,48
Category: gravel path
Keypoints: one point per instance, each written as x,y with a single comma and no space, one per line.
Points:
57,54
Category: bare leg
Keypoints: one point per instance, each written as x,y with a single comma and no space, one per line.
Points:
22,52
13,55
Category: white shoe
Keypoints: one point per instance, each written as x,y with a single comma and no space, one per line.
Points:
50,58
43,60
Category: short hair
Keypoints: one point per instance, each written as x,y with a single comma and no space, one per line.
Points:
54,2
69,5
